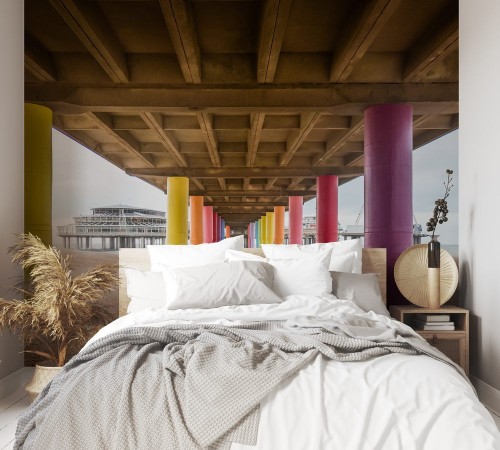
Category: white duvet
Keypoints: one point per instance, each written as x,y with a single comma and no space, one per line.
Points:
387,403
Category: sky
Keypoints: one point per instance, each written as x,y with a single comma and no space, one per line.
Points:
83,180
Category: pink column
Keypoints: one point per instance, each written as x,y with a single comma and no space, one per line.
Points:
219,228
388,184
295,205
327,208
208,223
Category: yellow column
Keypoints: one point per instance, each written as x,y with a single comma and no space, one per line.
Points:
264,229
177,210
37,172
196,219
270,227
279,224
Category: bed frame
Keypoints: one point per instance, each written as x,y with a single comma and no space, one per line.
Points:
374,261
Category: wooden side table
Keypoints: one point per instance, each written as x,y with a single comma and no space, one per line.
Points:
454,344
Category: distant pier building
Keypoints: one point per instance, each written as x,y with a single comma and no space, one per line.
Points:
115,227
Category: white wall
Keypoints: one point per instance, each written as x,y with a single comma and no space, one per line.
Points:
479,154
11,160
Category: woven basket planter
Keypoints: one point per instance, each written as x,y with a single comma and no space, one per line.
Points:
42,376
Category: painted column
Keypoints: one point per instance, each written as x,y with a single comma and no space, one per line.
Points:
388,183
295,207
223,229
196,219
228,231
258,232
215,229
270,227
219,228
249,235
263,230
208,224
177,210
327,200
38,172
279,224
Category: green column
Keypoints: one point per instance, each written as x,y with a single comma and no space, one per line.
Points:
38,171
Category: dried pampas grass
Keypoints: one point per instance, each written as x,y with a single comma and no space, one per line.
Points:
59,311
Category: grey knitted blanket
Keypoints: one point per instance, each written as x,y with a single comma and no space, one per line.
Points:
181,386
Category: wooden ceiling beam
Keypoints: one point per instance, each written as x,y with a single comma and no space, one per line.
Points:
88,24
241,204
242,172
429,51
37,60
272,31
335,144
167,139
105,122
254,193
296,137
180,23
205,121
360,37
340,99
254,137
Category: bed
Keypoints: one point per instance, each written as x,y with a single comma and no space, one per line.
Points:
303,372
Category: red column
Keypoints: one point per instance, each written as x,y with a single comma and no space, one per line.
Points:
249,236
388,184
208,223
215,224
295,206
219,228
327,208
196,220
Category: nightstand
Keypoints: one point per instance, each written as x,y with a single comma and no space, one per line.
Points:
454,344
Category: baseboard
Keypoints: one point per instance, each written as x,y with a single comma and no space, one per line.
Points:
488,395
18,378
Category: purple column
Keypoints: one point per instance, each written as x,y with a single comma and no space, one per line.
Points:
388,184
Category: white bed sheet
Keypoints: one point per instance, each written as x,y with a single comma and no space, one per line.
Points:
387,403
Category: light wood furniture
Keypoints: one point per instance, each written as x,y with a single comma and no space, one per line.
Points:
454,344
374,261
412,275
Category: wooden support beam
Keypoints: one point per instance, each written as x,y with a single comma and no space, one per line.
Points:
358,39
180,22
37,60
295,182
254,193
335,144
88,24
296,137
167,138
272,31
105,122
429,51
254,137
270,183
242,204
342,99
205,121
240,172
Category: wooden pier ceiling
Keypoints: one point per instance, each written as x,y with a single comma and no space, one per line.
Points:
249,99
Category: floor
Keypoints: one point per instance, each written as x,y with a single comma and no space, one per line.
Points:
12,406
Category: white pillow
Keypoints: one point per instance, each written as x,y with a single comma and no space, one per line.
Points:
177,256
308,275
296,251
362,289
145,289
220,284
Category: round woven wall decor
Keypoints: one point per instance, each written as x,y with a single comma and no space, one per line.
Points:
410,273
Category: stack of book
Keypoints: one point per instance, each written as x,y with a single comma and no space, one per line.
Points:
434,322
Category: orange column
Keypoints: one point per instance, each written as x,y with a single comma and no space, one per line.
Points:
279,224
196,219
228,231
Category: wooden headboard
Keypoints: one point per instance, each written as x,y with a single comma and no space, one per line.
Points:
374,261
